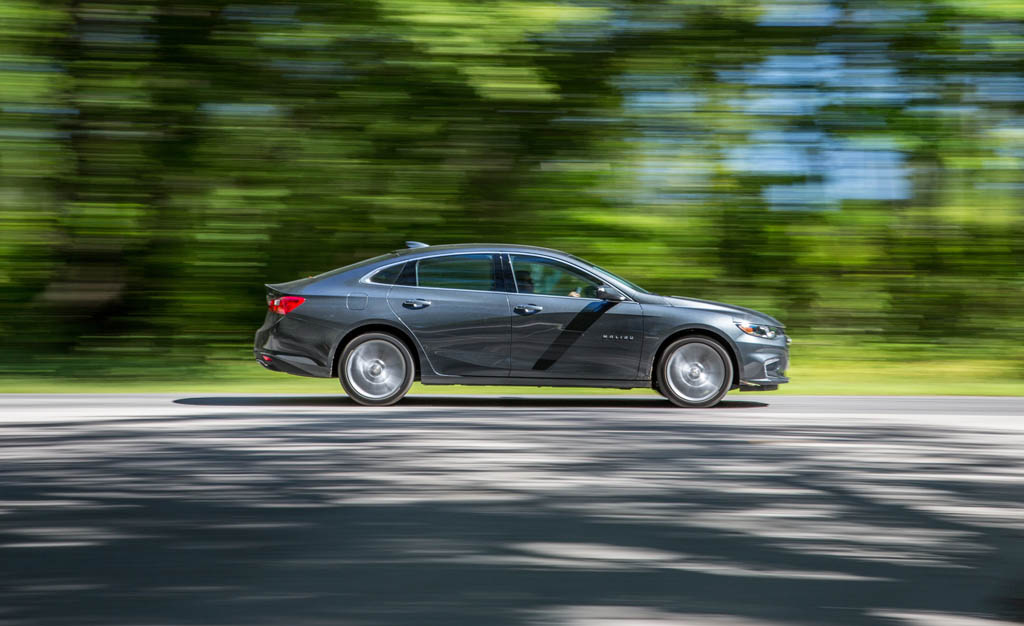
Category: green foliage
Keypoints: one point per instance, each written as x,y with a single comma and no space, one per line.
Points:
853,168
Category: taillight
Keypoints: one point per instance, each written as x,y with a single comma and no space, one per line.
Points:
285,304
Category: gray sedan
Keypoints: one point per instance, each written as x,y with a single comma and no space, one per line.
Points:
491,314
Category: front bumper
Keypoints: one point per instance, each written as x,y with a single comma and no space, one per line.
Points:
290,364
763,363
762,384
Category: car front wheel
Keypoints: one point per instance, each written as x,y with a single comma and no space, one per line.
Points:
695,372
376,369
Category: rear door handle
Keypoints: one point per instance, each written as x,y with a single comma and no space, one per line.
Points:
418,303
527,309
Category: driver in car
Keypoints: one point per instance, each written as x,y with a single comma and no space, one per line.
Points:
524,280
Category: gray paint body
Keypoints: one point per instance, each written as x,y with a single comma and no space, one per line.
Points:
476,337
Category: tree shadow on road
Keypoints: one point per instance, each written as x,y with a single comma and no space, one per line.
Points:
567,517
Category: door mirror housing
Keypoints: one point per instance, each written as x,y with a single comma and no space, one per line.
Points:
611,294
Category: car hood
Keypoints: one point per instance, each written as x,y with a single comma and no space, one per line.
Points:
739,312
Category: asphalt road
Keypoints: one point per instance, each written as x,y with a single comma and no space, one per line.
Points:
210,510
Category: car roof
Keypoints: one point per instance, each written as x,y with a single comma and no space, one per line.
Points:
483,247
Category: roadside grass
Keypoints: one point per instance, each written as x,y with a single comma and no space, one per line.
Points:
816,369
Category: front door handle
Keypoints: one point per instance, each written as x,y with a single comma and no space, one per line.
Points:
418,303
527,309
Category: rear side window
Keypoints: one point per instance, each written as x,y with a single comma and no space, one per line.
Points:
459,271
388,275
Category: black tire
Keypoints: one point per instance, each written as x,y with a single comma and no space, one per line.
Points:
376,369
695,372
657,388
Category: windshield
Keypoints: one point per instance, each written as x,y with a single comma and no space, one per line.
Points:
622,280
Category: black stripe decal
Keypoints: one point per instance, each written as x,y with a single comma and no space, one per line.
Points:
572,331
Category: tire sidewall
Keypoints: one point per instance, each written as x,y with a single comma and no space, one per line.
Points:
666,390
410,371
657,388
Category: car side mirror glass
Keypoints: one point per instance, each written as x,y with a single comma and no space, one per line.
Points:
611,294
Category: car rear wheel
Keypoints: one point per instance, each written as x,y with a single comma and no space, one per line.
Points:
695,372
376,369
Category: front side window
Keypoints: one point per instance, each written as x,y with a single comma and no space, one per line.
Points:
458,271
551,278
622,280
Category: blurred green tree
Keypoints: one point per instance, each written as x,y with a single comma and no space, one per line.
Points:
852,167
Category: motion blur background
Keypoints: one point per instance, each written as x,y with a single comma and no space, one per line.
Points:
854,168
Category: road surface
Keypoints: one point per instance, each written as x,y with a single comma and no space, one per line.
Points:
163,509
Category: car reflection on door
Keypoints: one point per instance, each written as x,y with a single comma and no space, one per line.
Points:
565,337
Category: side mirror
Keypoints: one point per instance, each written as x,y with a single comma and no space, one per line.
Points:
610,294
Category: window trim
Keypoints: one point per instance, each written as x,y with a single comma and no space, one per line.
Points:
494,262
507,256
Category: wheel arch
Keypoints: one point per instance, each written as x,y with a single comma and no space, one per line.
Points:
376,327
698,331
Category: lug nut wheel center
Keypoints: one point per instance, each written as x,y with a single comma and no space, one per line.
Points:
375,368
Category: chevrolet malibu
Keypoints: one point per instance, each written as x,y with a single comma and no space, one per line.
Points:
486,314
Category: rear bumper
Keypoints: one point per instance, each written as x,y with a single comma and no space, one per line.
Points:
290,364
281,346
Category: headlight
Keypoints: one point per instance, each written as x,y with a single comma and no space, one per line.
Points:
759,330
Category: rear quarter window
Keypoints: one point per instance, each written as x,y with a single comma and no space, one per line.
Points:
388,275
